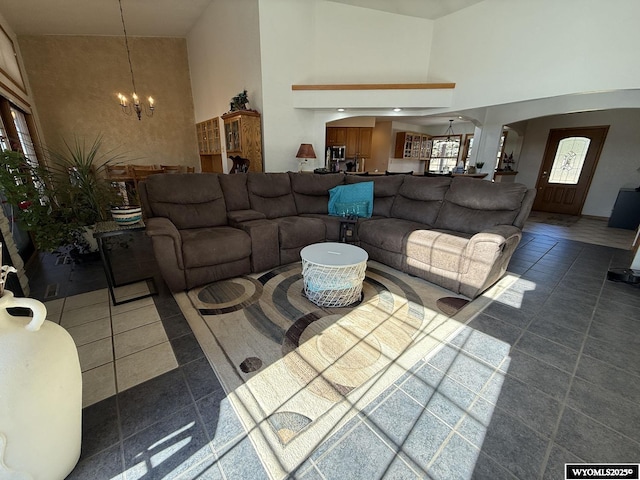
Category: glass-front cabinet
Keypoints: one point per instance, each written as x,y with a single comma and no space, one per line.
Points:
243,137
232,135
209,137
415,146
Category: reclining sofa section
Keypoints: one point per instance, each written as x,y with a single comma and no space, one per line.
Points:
458,233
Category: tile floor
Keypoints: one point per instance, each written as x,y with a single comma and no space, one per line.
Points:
119,346
548,374
583,229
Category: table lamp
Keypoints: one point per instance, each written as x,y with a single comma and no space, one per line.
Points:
305,152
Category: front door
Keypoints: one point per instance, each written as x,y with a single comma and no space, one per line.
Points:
568,166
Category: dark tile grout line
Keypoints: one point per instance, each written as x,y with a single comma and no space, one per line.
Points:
317,468
122,439
364,417
120,442
563,403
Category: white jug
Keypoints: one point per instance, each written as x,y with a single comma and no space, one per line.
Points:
40,395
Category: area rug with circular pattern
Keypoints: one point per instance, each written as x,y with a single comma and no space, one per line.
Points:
295,372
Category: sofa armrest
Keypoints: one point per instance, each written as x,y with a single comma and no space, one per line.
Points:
486,257
163,227
236,217
265,244
498,234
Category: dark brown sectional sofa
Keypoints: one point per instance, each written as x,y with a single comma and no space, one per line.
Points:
456,232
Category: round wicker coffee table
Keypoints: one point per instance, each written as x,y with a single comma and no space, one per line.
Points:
333,273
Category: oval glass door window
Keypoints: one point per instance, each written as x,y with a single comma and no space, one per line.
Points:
569,160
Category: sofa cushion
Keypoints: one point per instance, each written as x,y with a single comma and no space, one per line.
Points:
385,188
438,249
311,190
270,193
188,200
419,199
235,191
214,246
357,197
473,205
297,231
387,233
331,223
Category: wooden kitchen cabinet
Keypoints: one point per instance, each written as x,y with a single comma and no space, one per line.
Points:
364,142
357,140
353,138
336,136
243,137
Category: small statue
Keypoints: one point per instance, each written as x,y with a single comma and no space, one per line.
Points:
239,102
240,165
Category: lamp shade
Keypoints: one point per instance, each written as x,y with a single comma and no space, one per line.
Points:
306,151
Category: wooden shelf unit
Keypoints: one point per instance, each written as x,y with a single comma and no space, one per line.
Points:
209,145
243,136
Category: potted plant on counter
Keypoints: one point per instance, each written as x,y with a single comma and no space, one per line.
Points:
479,165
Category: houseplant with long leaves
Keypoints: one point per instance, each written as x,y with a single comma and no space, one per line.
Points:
57,202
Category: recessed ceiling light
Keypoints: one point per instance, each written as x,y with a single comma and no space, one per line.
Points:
397,109
341,109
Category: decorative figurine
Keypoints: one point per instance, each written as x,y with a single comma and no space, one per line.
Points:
239,102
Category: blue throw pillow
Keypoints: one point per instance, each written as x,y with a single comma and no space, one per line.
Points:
355,194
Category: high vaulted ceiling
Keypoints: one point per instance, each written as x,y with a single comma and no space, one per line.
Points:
431,9
173,18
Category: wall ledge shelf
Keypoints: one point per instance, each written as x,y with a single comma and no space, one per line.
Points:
375,86
413,98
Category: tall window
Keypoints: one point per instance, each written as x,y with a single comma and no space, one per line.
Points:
468,147
24,136
4,140
503,139
15,135
444,153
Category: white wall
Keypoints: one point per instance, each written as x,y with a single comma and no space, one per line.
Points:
286,34
501,51
535,54
224,57
361,45
619,160
316,41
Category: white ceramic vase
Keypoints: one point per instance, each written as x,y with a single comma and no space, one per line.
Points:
40,395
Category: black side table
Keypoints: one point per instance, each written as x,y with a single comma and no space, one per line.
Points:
109,229
626,211
348,229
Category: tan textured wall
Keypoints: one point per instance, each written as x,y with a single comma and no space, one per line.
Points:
75,81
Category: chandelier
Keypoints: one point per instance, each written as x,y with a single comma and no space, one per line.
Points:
449,133
128,107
